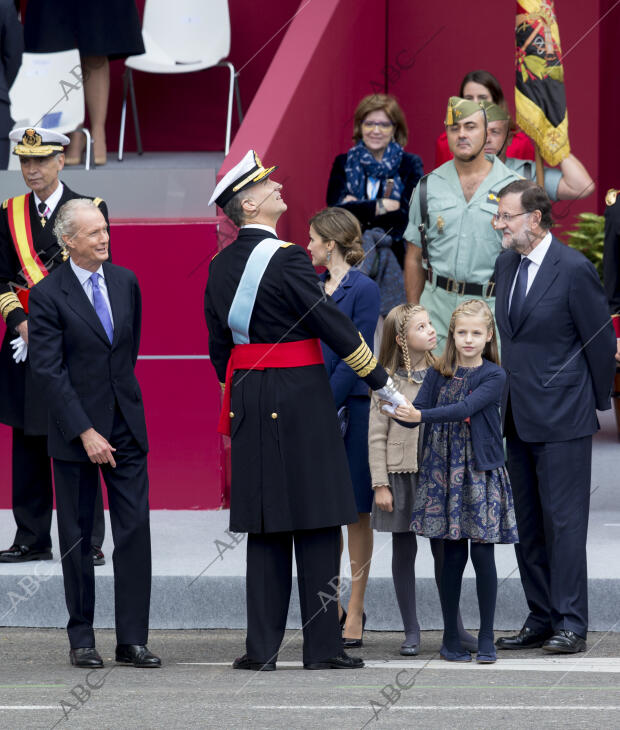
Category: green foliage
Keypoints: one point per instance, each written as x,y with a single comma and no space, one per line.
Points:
589,237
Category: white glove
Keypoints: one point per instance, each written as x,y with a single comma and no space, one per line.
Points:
20,349
389,393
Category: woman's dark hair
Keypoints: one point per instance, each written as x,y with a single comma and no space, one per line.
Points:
385,103
533,197
487,80
337,224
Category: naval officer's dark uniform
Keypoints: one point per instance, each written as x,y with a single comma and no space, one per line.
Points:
611,277
21,404
290,478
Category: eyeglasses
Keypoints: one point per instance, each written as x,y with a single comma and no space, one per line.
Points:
381,126
507,217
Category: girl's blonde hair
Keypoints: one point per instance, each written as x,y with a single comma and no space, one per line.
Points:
395,353
447,363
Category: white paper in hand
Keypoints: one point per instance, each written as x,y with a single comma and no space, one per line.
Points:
20,349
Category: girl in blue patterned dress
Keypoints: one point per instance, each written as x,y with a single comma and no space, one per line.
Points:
464,495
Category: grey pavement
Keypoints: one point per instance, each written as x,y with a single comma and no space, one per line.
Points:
199,570
197,688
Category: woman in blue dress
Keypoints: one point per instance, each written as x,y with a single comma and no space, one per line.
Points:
335,243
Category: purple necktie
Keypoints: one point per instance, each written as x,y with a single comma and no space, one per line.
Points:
101,307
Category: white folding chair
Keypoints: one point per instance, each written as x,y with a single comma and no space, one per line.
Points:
180,37
48,92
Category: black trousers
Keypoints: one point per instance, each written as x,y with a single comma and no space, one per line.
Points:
33,494
127,485
269,580
551,489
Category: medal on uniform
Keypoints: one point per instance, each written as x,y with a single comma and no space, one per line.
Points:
440,224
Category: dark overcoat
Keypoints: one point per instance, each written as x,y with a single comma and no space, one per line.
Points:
289,467
20,403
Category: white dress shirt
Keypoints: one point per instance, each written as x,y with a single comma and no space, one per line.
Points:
51,202
84,278
536,256
261,226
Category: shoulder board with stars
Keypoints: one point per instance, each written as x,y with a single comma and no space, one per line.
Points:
492,198
286,245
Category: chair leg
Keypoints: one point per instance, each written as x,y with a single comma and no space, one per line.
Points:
238,96
231,89
121,135
89,143
134,108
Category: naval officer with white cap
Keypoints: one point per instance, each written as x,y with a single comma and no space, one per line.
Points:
290,483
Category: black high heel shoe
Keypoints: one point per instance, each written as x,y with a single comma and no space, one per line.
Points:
355,643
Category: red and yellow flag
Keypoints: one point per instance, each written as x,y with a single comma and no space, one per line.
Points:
540,98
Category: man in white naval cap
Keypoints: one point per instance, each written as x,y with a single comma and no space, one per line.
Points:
266,313
28,252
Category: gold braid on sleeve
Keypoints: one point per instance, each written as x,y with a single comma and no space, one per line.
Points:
9,302
362,360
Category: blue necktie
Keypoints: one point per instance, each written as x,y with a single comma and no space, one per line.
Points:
101,307
518,295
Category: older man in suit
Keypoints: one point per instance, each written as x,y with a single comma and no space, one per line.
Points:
84,339
28,252
558,350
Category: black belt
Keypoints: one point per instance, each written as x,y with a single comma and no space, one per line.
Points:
464,288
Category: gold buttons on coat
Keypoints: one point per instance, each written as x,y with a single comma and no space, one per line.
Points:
231,414
274,415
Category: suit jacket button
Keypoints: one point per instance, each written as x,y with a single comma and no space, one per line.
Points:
231,414
274,415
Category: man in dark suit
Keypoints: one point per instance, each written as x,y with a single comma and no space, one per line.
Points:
11,48
84,339
558,350
290,483
28,252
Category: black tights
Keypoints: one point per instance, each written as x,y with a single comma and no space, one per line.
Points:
404,551
455,559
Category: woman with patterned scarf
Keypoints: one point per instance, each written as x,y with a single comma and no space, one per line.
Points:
374,180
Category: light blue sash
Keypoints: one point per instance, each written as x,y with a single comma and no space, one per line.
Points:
242,306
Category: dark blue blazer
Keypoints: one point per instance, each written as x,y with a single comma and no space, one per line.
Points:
481,406
83,376
559,359
358,297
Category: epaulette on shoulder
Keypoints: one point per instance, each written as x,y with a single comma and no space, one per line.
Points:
286,245
611,196
97,201
5,203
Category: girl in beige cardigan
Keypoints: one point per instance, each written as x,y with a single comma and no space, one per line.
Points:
406,353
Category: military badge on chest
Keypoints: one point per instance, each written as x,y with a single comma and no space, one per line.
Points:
441,224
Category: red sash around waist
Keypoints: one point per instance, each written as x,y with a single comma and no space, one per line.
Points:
261,356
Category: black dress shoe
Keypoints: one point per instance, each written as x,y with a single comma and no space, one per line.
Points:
526,639
342,661
565,642
138,655
87,657
244,662
22,553
355,643
98,556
